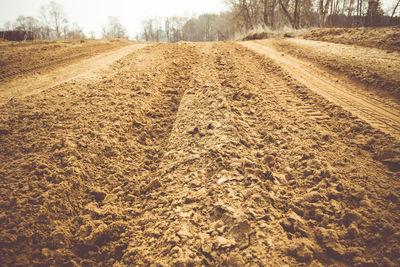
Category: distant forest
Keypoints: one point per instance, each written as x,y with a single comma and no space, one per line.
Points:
245,16
242,17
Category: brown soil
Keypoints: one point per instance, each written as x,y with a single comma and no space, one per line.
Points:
194,154
375,68
20,58
32,84
381,112
384,38
256,36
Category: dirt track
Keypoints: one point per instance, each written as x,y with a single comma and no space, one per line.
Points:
379,37
376,69
204,154
376,110
20,58
33,84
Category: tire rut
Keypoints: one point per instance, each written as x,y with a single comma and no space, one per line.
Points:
377,113
33,84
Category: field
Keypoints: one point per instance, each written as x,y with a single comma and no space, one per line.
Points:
226,153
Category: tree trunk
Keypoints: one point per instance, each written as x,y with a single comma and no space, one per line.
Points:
394,10
349,14
343,7
323,10
291,20
273,5
296,14
265,15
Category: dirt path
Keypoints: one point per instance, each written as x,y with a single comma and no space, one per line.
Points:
377,111
375,68
194,154
380,37
19,59
36,83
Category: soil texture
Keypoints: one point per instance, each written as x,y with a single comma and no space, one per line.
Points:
375,68
194,154
387,38
381,112
20,58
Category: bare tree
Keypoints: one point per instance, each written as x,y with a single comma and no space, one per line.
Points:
265,12
92,35
243,11
148,32
323,7
251,14
394,10
114,29
294,16
29,23
374,12
54,17
206,27
75,32
8,26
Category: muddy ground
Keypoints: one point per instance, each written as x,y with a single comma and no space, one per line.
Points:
194,154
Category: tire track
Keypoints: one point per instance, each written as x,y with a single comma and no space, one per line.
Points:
377,113
34,84
7,76
47,56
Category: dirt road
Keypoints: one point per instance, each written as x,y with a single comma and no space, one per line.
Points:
33,84
194,154
376,110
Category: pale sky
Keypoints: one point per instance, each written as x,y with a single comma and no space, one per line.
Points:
91,15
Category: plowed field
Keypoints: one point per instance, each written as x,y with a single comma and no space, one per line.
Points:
194,154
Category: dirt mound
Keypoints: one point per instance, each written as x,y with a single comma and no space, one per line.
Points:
194,154
257,36
266,35
387,38
20,58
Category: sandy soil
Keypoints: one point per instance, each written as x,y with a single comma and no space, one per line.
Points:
33,84
20,58
387,38
194,154
381,112
375,68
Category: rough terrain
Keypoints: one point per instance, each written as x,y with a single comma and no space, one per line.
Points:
376,69
29,84
21,58
387,38
381,111
194,154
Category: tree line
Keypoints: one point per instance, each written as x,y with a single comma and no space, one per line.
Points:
244,16
206,27
52,23
276,14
